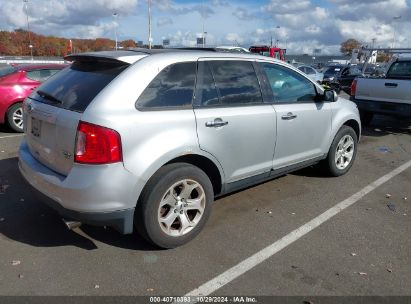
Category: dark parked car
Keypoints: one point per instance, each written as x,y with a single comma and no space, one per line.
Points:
345,77
331,72
16,83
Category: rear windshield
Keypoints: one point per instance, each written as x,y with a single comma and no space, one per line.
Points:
76,86
333,71
6,70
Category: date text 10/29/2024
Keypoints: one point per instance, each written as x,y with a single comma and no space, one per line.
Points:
203,299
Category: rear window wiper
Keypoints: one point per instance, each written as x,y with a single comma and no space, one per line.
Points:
49,97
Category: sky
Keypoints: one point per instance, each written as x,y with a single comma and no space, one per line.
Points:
301,26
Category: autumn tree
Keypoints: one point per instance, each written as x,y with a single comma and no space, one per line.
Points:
16,43
128,44
349,45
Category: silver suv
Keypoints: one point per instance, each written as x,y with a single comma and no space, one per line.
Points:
148,139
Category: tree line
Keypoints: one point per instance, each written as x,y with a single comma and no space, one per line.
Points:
16,43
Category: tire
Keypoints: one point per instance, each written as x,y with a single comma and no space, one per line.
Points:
187,183
338,164
366,117
15,117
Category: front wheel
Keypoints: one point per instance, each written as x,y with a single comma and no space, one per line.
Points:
342,152
15,117
174,205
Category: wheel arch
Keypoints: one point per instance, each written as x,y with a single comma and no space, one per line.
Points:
205,164
355,125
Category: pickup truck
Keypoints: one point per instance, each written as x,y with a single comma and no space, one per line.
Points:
389,95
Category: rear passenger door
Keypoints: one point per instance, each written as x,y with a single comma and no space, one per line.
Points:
233,123
303,123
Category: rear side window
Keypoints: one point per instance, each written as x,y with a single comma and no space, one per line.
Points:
236,82
400,69
7,70
40,75
172,87
76,86
206,90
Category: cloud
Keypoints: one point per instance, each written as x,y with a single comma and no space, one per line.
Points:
304,24
243,14
291,6
164,21
234,37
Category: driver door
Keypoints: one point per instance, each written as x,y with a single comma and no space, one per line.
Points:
303,122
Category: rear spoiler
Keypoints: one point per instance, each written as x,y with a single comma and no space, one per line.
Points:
92,57
123,57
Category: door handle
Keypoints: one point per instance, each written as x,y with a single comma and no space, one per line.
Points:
218,122
390,84
289,116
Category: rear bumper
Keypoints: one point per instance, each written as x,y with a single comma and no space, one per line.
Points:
120,220
103,195
382,107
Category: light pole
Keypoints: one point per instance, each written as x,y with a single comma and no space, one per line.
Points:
202,19
393,25
115,15
28,28
373,42
150,39
277,27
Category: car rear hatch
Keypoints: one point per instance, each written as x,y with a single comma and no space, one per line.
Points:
52,113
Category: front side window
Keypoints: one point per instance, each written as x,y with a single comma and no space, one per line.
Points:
236,82
309,71
172,87
287,85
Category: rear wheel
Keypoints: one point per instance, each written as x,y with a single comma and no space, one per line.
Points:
342,152
174,205
15,117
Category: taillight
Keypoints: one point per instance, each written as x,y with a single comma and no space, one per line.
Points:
97,145
353,87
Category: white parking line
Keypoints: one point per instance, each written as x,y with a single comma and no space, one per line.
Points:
8,136
259,257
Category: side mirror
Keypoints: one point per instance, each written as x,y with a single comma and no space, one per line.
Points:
330,95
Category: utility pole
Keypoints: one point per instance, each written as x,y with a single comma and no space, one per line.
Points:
393,25
28,28
276,36
150,39
202,18
115,28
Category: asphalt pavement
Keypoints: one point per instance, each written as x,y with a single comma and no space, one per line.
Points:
362,250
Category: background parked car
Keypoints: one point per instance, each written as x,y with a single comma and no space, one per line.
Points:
312,73
16,83
345,77
232,49
331,72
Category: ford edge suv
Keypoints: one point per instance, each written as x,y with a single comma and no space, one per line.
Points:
147,139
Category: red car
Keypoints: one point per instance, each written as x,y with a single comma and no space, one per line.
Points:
16,83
